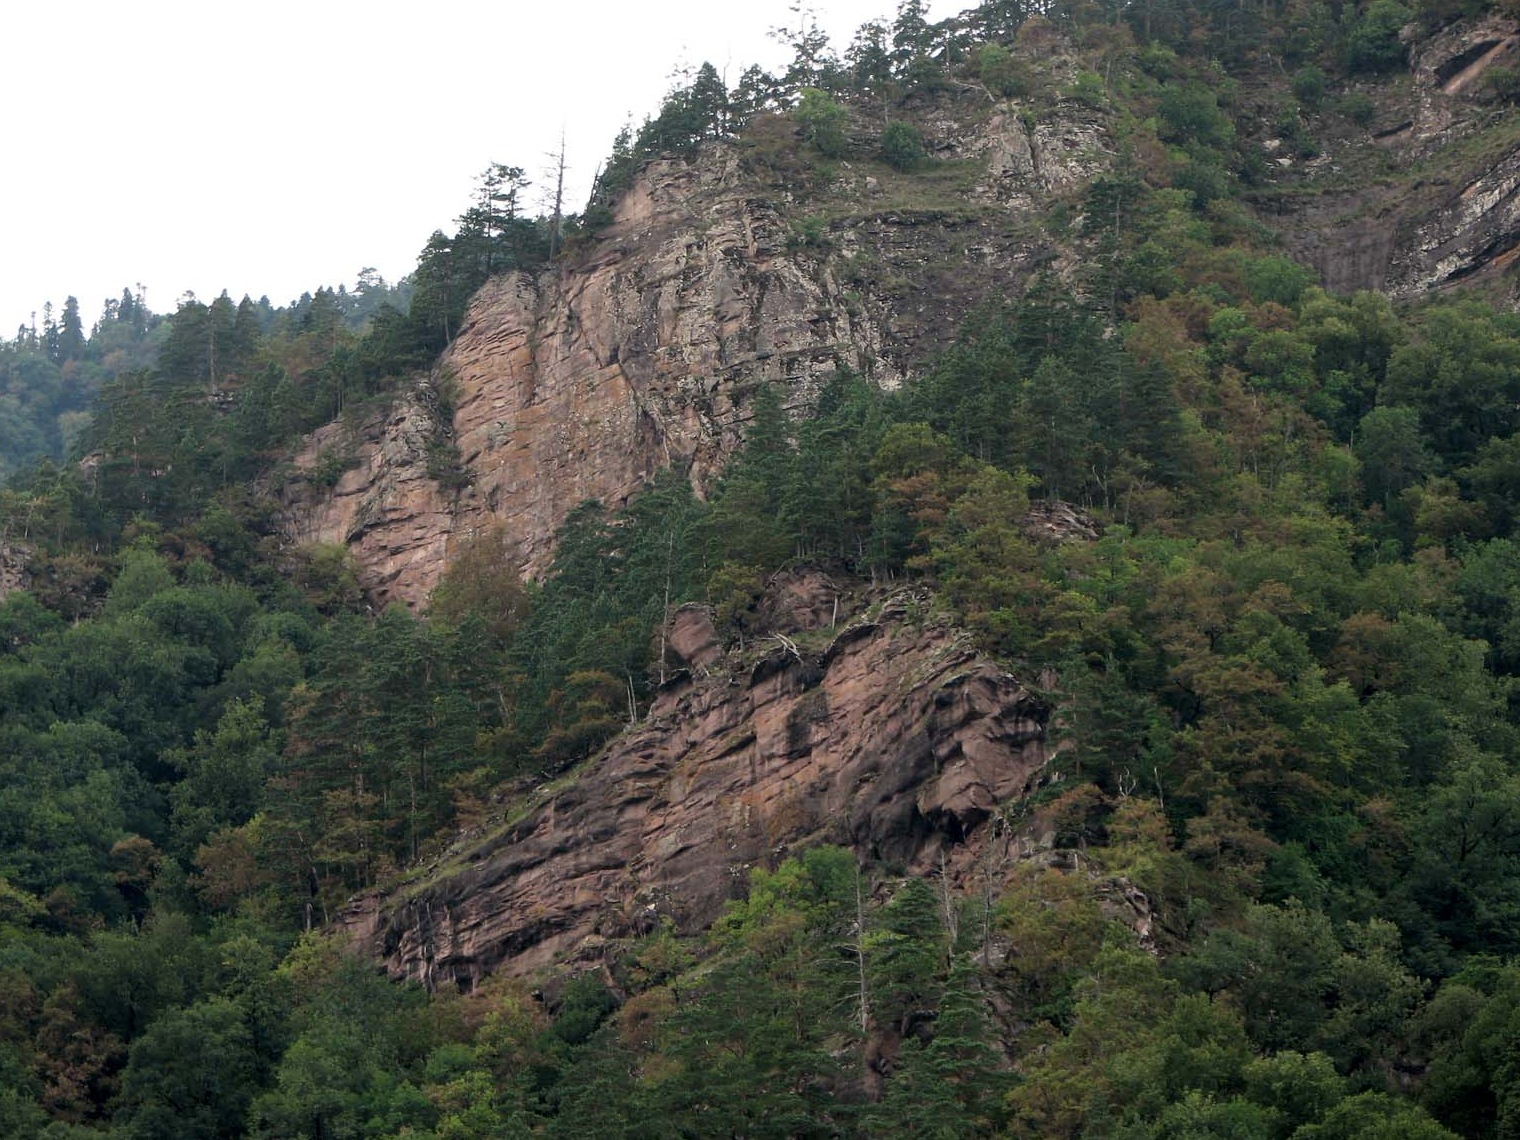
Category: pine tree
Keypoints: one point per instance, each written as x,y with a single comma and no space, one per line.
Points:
71,342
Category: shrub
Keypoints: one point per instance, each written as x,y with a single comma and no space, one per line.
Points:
1087,89
811,232
1309,85
902,146
1291,130
1206,180
1503,83
1373,45
1359,108
1001,73
1190,113
330,465
823,121
1277,279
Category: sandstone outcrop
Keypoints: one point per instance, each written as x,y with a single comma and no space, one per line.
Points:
386,507
895,739
640,352
644,348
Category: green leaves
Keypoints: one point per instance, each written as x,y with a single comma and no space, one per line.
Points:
902,146
823,122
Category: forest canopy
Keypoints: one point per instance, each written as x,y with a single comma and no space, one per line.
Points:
1279,666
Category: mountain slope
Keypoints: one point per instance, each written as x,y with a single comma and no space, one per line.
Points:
748,265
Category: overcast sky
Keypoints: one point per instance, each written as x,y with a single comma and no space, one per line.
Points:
274,147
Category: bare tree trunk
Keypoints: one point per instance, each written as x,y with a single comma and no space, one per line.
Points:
860,957
557,221
670,553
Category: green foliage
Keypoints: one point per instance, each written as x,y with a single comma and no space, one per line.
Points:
1372,44
1280,677
810,232
1189,113
193,1074
1359,108
823,121
330,465
1503,83
1001,72
1003,396
902,146
1309,86
1088,90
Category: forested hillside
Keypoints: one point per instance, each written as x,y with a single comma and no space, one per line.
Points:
1274,650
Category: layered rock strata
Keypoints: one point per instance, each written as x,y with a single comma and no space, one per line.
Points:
895,739
1446,211
641,352
644,349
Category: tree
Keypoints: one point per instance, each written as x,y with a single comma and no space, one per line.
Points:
953,1085
488,240
1296,1088
905,956
912,45
224,774
813,63
709,100
1373,44
1375,1116
823,121
71,342
902,146
1466,859
191,1076
482,580
1392,453
869,60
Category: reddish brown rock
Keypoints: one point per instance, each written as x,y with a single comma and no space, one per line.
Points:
691,639
896,740
1057,521
644,348
802,600
640,352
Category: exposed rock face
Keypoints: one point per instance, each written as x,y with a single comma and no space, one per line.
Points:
1456,59
1057,521
386,507
13,562
645,349
896,740
641,352
692,640
1451,214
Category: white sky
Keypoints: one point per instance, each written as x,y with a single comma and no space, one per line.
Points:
270,148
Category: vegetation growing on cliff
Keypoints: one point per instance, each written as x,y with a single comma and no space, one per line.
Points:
1284,675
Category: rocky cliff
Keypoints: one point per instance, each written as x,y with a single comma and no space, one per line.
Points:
13,567
643,348
1427,195
891,736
